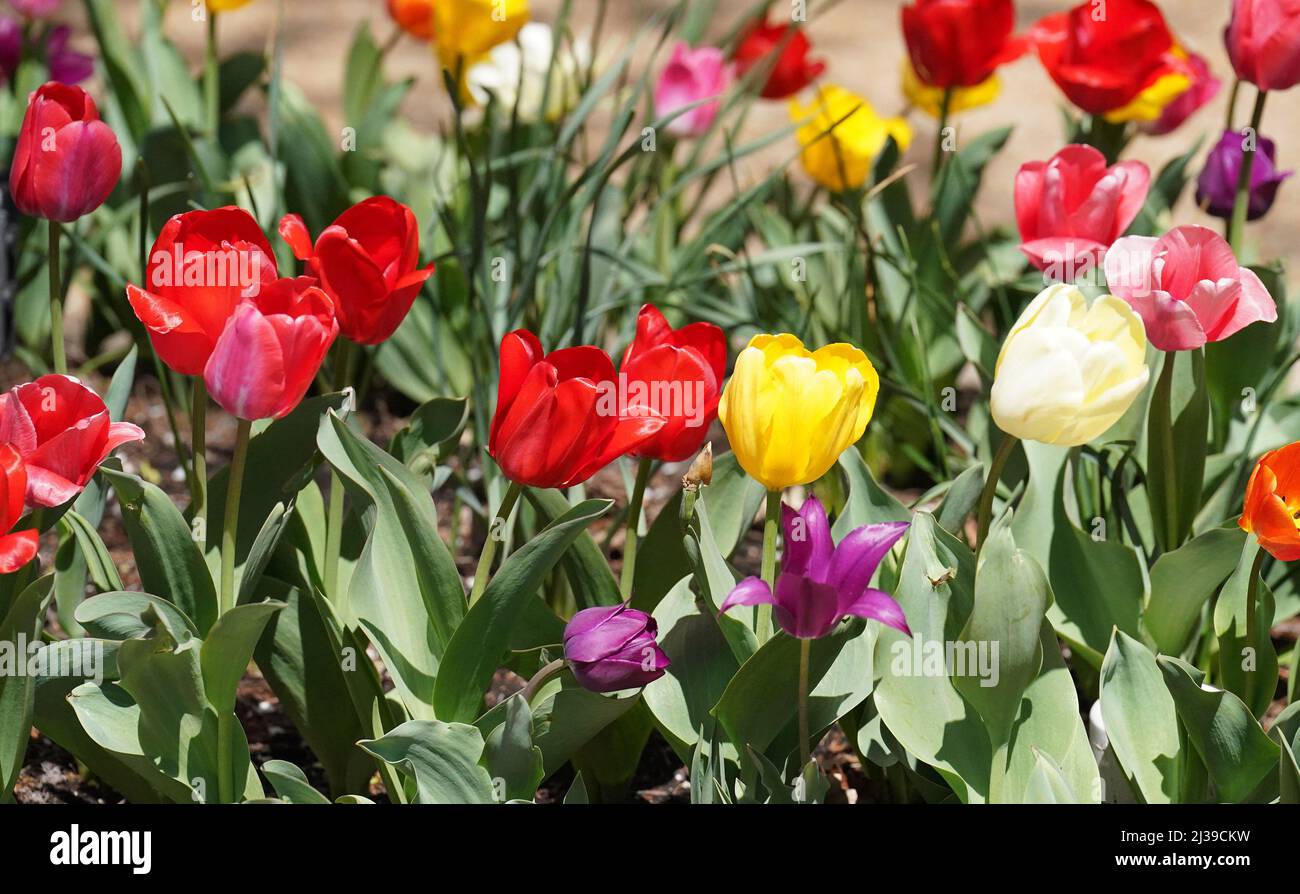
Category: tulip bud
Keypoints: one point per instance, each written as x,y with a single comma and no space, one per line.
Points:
700,474
1068,372
67,161
613,647
415,17
960,43
791,71
1263,39
692,75
1216,188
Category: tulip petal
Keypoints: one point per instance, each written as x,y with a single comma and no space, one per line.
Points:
859,554
805,608
295,234
808,543
750,591
879,606
17,549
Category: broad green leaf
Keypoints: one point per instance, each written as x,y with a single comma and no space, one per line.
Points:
510,755
98,563
584,564
867,502
442,757
715,579
1177,438
1141,720
1182,582
291,784
733,500
130,615
1247,664
23,623
1047,784
228,648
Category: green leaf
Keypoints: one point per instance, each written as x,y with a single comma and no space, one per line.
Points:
1141,720
99,564
24,622
715,579
868,503
1178,430
291,784
733,500
1182,582
1047,784
229,647
442,757
432,429
480,642
584,564
510,755
130,615
1247,665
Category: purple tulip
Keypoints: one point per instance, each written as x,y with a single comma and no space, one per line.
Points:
821,582
1216,189
67,66
613,647
690,76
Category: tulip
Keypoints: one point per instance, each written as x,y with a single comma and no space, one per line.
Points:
202,265
516,73
1272,503
1068,372
1263,39
692,75
789,413
932,100
62,431
1072,207
1216,188
17,548
1103,62
271,349
66,66
841,135
1203,89
613,647
67,161
791,70
466,29
554,424
1187,286
415,17
960,43
367,262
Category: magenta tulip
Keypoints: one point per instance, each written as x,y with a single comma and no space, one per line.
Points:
692,75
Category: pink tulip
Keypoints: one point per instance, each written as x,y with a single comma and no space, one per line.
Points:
1072,207
1187,287
36,9
692,75
271,349
1263,40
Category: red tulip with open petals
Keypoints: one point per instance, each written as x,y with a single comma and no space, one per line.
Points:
62,430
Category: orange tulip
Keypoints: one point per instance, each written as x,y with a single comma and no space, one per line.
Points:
1273,503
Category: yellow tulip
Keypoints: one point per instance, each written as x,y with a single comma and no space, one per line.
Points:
841,137
226,5
789,412
930,99
465,30
1067,371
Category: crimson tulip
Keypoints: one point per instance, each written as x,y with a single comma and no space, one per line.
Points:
1102,62
203,264
271,349
62,431
960,43
17,548
680,372
67,161
367,262
1263,39
557,420
792,70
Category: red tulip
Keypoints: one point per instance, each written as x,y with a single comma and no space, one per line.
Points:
558,421
959,43
792,71
1263,40
679,372
1071,207
18,547
271,350
1102,57
367,262
67,161
62,430
202,266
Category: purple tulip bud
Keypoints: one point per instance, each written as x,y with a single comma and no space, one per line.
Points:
67,66
613,647
1216,189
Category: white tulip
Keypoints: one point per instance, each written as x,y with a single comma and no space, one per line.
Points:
515,72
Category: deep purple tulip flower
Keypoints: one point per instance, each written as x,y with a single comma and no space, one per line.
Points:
821,582
613,647
66,65
1216,189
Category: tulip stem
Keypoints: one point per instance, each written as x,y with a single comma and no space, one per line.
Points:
199,446
1163,417
56,301
945,109
1252,593
805,650
763,613
1232,103
496,532
643,470
343,372
234,486
544,673
1241,207
984,517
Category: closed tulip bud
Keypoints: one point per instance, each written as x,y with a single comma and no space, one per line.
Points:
790,412
613,647
67,161
1067,371
17,548
787,73
62,431
692,75
841,135
1272,503
415,17
960,43
1263,39
368,262
271,349
700,474
1216,188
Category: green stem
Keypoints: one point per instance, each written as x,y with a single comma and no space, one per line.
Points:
984,517
634,527
998,772
343,370
1252,592
212,79
1232,103
1171,535
945,109
544,673
1241,207
805,650
496,532
234,486
56,301
225,782
199,447
763,613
